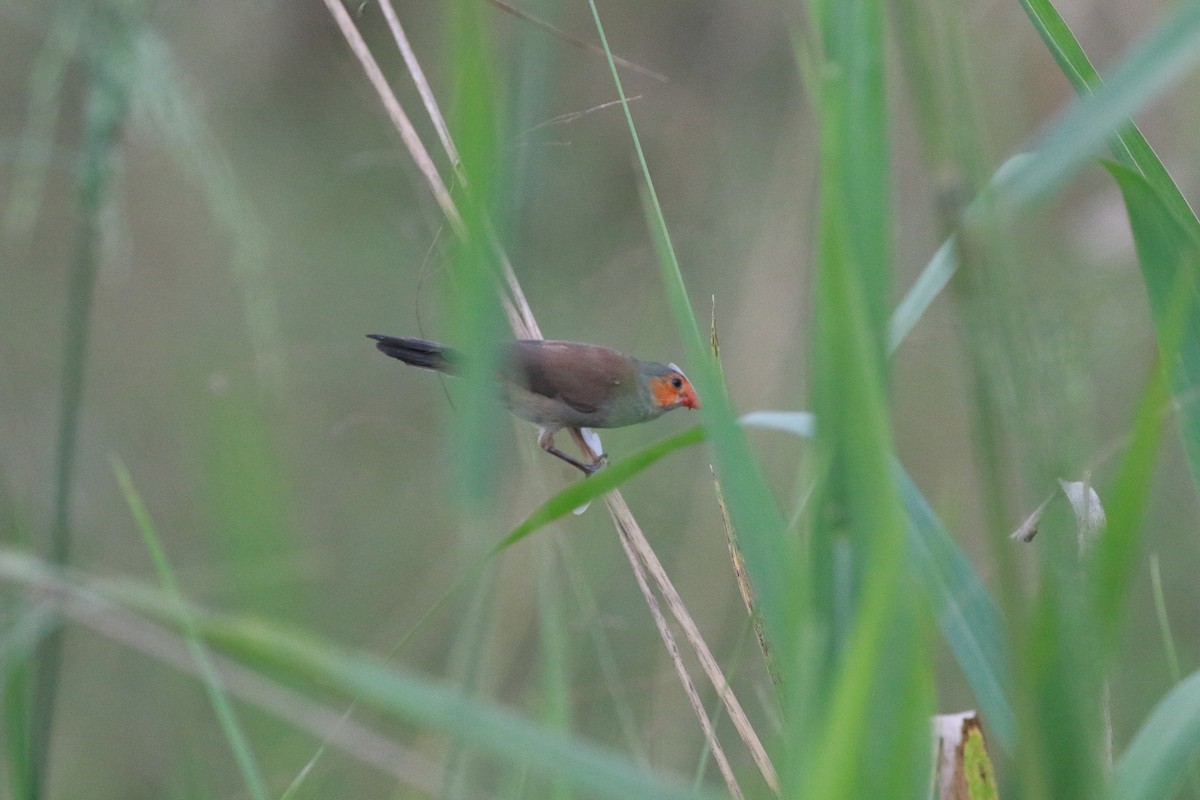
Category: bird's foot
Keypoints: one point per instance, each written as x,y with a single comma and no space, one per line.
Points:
591,469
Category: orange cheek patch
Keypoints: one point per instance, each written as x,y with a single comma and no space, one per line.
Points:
664,393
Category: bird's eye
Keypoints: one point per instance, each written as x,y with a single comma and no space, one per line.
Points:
677,382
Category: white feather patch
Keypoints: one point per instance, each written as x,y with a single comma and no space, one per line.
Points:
593,441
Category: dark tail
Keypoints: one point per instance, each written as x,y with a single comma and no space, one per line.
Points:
418,352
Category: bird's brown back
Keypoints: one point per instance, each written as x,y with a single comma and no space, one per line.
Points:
589,379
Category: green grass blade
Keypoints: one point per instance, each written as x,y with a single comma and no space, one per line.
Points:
941,268
404,697
559,506
223,708
476,319
1147,69
17,745
854,440
1160,755
107,99
755,514
1164,621
27,180
1131,148
17,644
1169,257
588,489
1169,50
1115,555
554,654
929,284
432,706
861,712
245,484
857,114
968,617
1061,43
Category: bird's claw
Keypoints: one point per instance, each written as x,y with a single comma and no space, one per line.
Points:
594,467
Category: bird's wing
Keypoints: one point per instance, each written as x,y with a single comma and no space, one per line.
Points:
584,377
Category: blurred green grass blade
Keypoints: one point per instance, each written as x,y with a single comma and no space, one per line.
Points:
1164,621
411,699
1170,264
166,103
587,489
753,510
286,652
1131,147
1145,70
249,500
868,701
468,670
969,619
1061,683
26,625
1169,50
30,625
108,44
1113,559
929,284
1062,44
1169,257
1161,754
855,442
18,747
554,654
756,516
475,316
226,718
936,275
35,150
854,52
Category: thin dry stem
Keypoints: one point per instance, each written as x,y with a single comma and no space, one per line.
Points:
576,42
396,112
527,326
743,580
418,74
626,526
516,307
572,116
629,527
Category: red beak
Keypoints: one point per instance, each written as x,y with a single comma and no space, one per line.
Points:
690,400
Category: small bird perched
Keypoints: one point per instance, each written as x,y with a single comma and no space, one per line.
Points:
558,385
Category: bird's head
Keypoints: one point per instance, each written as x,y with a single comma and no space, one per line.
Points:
672,389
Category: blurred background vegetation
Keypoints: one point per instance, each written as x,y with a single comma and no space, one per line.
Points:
262,217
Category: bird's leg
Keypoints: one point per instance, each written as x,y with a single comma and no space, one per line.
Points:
590,445
546,442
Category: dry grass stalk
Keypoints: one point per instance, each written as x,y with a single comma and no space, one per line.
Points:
629,533
575,41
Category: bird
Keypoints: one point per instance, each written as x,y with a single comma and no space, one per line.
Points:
557,385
